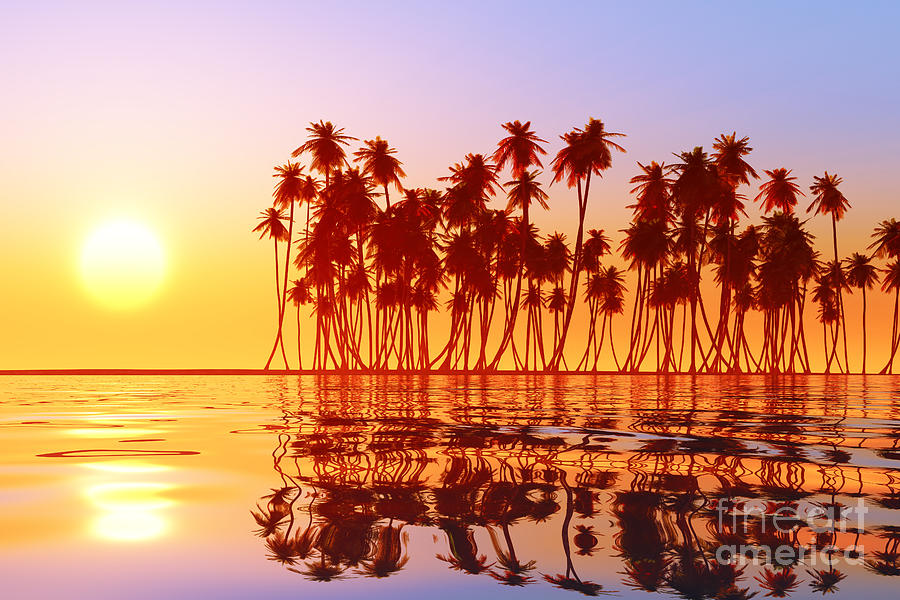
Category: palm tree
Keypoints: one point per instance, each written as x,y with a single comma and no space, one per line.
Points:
887,239
521,148
828,200
886,244
653,192
779,192
324,144
380,164
288,191
271,224
694,193
862,274
521,192
891,282
588,152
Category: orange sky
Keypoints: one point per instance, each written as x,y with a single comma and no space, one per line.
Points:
175,116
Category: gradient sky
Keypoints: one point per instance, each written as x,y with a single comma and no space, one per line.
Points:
175,115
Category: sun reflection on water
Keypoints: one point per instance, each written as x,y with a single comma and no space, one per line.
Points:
131,510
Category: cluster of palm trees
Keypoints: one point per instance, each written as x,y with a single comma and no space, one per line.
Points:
373,271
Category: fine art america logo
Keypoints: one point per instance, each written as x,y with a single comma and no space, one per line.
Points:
776,528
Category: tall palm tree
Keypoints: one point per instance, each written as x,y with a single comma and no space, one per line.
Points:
694,193
324,145
887,239
380,164
828,200
288,191
779,192
271,224
886,244
521,149
862,274
891,283
587,152
653,192
521,192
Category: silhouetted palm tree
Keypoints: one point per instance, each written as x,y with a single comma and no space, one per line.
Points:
380,164
288,191
891,282
271,224
324,146
779,192
886,244
828,200
588,152
861,274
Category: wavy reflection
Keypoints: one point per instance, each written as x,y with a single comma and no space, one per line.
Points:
671,480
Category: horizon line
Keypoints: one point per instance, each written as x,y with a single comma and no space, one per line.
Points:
504,372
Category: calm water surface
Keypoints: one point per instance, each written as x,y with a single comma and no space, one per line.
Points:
439,487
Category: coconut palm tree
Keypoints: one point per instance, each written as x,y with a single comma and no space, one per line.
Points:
380,164
779,192
887,239
588,151
324,146
271,224
828,200
521,149
288,191
694,193
861,274
522,191
891,282
653,193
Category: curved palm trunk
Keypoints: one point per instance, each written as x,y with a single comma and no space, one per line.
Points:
287,263
509,330
556,358
889,367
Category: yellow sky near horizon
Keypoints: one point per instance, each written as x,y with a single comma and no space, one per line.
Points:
174,117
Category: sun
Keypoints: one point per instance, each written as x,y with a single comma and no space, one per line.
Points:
122,264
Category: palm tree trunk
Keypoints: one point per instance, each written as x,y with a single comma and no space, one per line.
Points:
576,271
842,322
864,329
287,264
509,330
299,353
895,338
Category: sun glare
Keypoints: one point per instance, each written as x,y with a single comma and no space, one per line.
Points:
122,264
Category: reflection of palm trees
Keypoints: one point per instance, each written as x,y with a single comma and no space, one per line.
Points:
778,583
887,560
463,550
360,468
389,555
